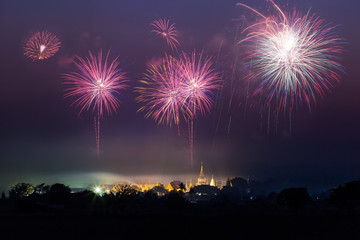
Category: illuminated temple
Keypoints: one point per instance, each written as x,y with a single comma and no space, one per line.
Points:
174,185
202,180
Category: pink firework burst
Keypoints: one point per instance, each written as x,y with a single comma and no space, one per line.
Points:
200,81
179,87
166,31
162,93
41,45
96,87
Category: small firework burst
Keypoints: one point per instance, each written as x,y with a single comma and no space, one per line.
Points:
167,31
41,45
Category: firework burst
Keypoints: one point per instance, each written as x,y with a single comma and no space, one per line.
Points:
293,58
95,87
200,81
167,31
179,87
41,45
162,93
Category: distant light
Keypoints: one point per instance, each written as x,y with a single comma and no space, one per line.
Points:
97,190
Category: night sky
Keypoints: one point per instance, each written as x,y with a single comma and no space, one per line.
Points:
44,140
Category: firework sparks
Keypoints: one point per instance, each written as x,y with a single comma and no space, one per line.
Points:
41,45
294,58
167,31
95,87
163,93
199,81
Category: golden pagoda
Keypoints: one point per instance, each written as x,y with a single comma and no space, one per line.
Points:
201,180
212,182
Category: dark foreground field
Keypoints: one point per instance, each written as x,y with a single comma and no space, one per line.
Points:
192,222
291,214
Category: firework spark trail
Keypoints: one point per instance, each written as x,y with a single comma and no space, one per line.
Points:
277,113
41,45
97,133
218,99
268,123
219,92
95,87
294,58
232,90
191,139
218,95
167,31
232,82
290,122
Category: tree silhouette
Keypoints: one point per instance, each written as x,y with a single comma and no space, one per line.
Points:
175,201
346,194
3,197
126,190
294,197
59,193
182,187
21,190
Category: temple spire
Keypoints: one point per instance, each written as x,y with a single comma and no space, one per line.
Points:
212,182
201,180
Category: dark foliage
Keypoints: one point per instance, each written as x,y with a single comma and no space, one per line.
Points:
21,190
346,195
58,193
289,214
294,198
3,197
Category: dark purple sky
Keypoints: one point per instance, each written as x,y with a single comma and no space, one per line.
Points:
42,138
